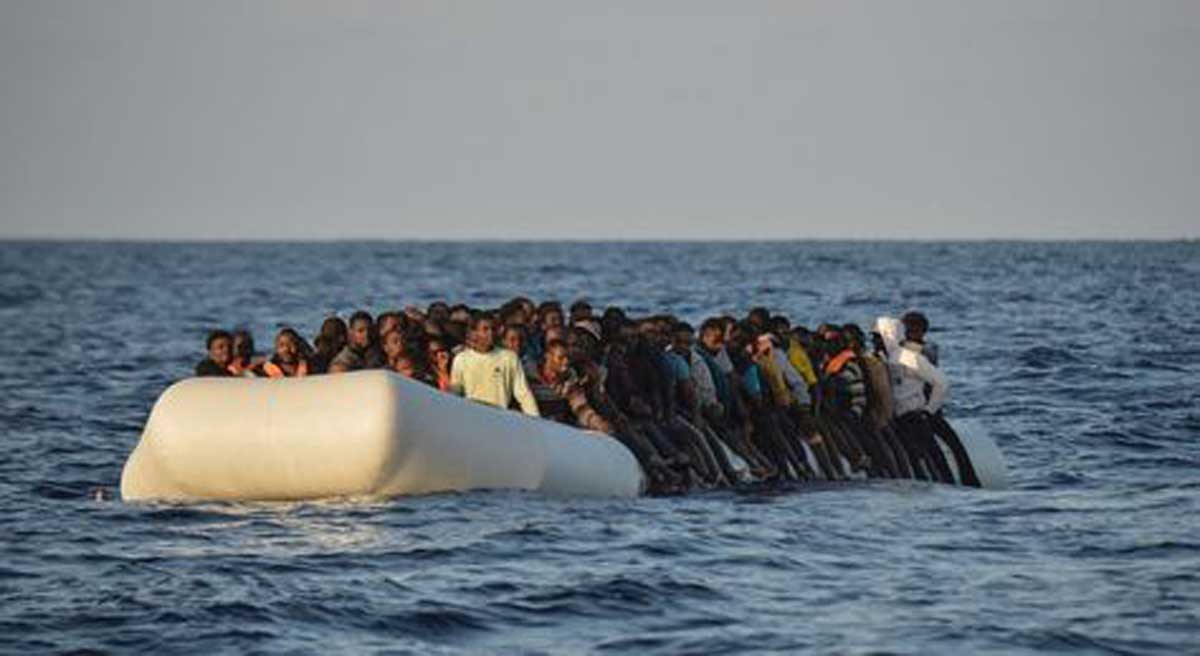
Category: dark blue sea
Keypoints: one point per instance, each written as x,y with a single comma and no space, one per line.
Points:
1081,361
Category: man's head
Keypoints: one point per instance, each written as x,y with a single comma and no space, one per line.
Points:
580,310
220,347
437,355
780,325
549,315
682,335
287,346
855,338
649,331
555,360
393,344
915,326
712,335
332,336
482,335
438,311
528,309
802,336
387,322
612,313
361,328
759,317
611,322
513,338
583,342
511,312
243,345
834,341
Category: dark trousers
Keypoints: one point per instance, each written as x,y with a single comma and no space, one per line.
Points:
966,471
918,439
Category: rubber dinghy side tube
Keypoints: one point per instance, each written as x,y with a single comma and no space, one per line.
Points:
985,457
369,433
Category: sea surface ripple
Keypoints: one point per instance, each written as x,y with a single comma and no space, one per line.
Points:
1080,360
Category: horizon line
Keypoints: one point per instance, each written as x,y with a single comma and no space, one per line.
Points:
589,240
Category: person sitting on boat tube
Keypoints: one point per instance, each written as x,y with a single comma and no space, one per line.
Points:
220,354
488,374
329,341
392,342
292,356
245,363
360,351
437,364
561,395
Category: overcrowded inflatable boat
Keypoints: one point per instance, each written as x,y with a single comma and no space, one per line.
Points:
378,434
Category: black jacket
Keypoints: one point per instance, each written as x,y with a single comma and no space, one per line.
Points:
209,368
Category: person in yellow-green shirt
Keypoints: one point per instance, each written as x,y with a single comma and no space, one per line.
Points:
798,356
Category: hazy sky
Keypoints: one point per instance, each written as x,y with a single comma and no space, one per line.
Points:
602,119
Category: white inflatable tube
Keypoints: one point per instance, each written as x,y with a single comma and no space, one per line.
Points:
370,433
985,456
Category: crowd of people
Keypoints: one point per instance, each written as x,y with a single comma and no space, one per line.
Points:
753,398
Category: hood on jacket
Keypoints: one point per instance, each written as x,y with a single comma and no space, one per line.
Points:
889,329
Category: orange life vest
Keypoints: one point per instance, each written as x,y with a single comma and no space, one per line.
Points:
838,361
275,371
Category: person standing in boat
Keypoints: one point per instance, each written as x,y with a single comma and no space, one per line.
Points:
484,373
220,354
916,325
911,371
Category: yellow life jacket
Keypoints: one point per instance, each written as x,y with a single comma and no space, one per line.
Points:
799,359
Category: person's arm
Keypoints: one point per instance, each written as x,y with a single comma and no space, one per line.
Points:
702,380
458,375
586,416
936,380
779,389
795,383
521,391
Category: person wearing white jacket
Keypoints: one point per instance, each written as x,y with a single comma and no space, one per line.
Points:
911,372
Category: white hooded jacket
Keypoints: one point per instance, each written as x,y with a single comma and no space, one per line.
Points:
910,372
